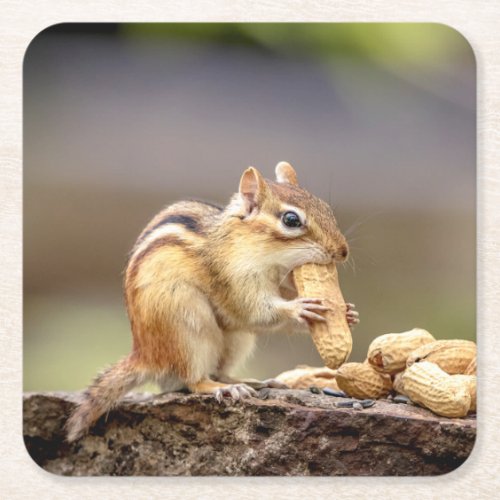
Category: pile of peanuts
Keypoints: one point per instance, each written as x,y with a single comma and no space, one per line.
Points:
437,374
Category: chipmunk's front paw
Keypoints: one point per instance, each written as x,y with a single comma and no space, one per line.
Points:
352,316
235,392
305,310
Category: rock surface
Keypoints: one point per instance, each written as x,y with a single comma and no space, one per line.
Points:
292,432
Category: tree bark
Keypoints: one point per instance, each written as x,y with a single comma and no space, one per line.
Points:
292,432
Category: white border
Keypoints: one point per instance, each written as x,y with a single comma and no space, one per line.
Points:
478,21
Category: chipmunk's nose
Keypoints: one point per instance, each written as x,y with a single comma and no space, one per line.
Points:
342,252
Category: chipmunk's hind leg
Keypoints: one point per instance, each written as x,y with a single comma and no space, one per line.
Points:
270,383
199,345
220,390
233,350
238,346
168,383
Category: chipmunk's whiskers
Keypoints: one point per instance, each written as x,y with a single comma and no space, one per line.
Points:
362,219
351,263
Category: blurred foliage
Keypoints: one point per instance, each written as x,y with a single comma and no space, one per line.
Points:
415,52
388,43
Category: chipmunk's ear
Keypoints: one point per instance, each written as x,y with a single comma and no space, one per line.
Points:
253,189
285,173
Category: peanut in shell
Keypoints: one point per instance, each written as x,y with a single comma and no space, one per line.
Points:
472,367
397,383
429,386
470,381
303,377
388,353
332,338
452,356
362,381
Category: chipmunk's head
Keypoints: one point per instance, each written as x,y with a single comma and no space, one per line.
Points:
285,222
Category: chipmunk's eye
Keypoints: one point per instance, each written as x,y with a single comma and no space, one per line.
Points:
291,219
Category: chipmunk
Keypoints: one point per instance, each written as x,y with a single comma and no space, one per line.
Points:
202,281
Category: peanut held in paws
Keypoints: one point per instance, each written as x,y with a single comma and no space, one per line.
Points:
332,337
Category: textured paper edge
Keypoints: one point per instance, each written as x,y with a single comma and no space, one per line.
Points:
477,21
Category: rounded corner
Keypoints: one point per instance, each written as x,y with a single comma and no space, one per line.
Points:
33,460
457,33
36,37
30,444
473,452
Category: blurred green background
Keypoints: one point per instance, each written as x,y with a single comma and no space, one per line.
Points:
120,120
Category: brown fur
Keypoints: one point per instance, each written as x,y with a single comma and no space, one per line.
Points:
103,395
201,282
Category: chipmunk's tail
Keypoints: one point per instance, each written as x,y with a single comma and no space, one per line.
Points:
102,396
